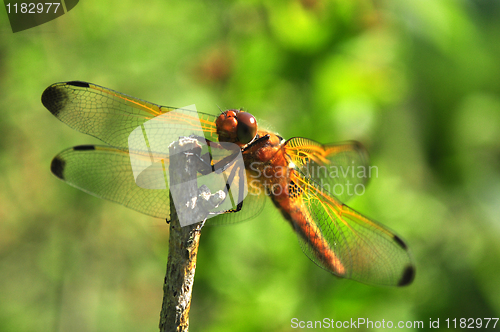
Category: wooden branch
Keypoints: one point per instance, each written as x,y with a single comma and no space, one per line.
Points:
193,204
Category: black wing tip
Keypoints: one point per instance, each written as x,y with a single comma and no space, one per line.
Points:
362,150
401,243
358,145
54,99
84,147
409,271
408,276
80,84
57,167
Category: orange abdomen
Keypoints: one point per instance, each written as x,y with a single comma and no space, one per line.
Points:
279,180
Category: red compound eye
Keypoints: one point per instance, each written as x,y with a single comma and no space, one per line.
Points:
247,127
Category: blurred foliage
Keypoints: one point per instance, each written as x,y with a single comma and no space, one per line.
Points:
416,81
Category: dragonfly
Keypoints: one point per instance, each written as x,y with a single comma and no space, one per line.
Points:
296,174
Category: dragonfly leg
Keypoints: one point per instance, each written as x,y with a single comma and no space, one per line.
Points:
241,187
207,164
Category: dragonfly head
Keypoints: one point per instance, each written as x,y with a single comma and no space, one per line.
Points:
236,126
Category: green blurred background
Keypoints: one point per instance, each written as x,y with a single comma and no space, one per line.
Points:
417,81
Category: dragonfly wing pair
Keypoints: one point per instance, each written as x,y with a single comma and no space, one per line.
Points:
331,234
106,171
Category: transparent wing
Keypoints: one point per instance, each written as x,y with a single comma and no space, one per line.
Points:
339,168
343,241
112,116
253,204
106,172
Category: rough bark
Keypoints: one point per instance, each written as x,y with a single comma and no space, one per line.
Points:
183,243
